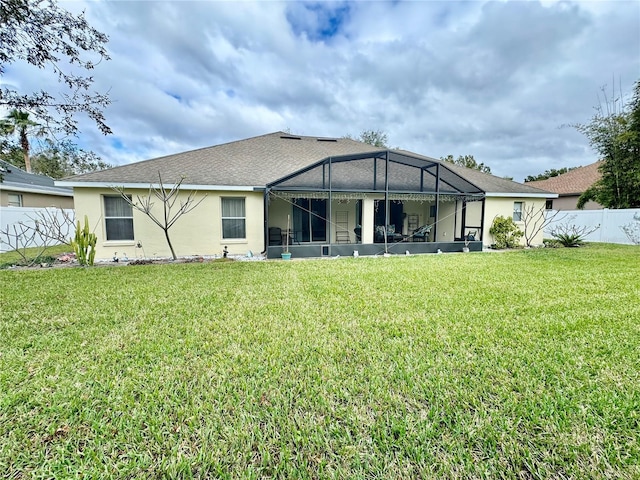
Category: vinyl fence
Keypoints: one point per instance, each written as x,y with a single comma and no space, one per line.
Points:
610,221
11,217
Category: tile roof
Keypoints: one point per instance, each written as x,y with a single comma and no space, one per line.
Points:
574,182
261,160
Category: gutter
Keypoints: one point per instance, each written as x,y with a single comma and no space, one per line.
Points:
145,186
522,195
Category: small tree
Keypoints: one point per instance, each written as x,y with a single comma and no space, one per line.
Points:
168,197
505,232
46,228
536,220
632,230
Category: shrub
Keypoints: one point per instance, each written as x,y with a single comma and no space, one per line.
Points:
505,232
572,235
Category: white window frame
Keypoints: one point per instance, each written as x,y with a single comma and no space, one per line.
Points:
223,218
16,201
106,218
517,213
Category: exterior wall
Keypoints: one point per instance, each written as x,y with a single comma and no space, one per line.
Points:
570,202
496,206
37,200
445,229
199,232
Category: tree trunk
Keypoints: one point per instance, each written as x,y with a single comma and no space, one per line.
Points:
173,254
24,143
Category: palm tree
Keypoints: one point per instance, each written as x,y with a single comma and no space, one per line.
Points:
18,122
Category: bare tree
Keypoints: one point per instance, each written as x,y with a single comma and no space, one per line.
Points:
536,220
168,197
50,226
632,230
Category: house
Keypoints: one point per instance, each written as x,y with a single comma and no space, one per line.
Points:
569,186
23,189
320,196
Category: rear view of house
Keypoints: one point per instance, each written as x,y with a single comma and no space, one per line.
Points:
318,196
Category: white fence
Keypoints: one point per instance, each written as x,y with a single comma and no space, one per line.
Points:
610,221
10,216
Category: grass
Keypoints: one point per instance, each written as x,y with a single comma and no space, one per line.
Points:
505,365
33,255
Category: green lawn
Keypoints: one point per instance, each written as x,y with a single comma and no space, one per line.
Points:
508,365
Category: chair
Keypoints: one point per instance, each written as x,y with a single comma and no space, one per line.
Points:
421,234
275,236
358,232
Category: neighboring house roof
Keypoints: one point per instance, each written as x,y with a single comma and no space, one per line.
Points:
574,182
17,180
258,161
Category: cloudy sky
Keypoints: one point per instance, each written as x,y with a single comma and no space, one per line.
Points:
498,80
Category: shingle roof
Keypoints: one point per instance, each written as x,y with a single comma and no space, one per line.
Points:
254,161
14,178
574,182
487,182
261,160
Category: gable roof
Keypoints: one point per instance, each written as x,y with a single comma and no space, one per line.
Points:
258,161
17,180
574,182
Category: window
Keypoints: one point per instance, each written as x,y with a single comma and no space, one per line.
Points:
549,205
517,211
309,220
15,200
118,218
233,218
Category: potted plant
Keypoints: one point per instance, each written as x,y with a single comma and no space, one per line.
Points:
286,255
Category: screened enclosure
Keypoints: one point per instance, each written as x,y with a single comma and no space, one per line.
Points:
380,202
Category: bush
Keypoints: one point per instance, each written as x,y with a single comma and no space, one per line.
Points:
572,235
505,232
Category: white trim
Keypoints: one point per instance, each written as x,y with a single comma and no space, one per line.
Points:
43,190
145,186
522,195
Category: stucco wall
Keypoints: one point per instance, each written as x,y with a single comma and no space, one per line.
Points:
199,232
570,202
495,206
37,200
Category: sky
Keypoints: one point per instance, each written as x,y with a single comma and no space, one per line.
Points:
500,80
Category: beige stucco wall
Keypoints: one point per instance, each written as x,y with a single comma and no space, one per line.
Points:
504,206
37,200
199,232
570,202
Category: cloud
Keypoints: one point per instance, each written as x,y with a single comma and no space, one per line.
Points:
492,79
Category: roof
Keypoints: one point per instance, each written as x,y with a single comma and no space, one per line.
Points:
258,161
254,161
17,180
574,182
490,183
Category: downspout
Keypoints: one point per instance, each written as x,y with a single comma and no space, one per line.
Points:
435,225
464,217
265,232
386,199
330,209
482,221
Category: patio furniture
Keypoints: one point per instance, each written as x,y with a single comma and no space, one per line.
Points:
421,234
275,236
